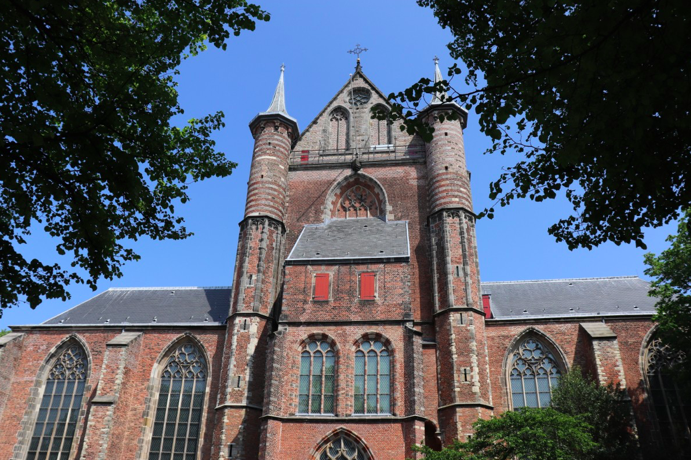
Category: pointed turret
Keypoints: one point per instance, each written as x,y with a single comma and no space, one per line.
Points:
277,109
441,99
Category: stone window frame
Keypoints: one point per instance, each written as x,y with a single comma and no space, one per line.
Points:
389,126
547,343
154,387
334,435
649,341
28,423
387,346
345,184
333,144
321,341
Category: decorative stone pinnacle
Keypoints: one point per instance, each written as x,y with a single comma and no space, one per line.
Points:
278,103
439,96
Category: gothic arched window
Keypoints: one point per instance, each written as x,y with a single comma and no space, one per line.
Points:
672,410
380,130
339,129
372,379
342,448
533,373
359,202
317,364
180,405
62,399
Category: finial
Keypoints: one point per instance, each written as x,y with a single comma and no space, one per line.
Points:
358,51
439,96
278,103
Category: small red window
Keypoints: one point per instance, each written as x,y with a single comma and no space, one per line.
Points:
321,286
368,282
487,306
305,155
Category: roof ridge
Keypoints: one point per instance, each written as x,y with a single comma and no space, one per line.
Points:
565,279
165,288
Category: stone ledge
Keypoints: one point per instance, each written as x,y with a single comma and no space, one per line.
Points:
5,339
123,339
105,399
598,331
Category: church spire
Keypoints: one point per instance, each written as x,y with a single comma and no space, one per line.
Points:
438,95
278,103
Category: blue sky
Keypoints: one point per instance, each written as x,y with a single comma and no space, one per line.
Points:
312,39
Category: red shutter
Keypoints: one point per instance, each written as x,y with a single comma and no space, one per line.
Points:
487,306
321,286
367,285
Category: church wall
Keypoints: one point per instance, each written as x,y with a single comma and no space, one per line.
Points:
125,430
577,349
307,196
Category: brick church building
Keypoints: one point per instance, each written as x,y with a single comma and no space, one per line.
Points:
356,326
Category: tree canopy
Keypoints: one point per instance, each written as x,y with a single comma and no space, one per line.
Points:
591,98
671,273
538,434
88,152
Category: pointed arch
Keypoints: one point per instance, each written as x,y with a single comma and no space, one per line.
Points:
373,369
668,401
317,386
357,195
532,367
178,397
339,129
353,446
62,387
380,130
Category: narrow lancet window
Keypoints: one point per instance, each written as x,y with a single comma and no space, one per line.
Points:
372,379
317,369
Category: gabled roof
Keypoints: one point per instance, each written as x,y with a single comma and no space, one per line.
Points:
358,73
150,306
341,240
626,295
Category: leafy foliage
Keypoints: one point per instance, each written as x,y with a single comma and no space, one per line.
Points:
4,332
671,273
538,434
88,153
589,97
605,408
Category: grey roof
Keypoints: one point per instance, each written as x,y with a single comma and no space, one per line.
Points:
626,295
344,239
150,306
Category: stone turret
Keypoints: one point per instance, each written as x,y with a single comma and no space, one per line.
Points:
459,317
257,281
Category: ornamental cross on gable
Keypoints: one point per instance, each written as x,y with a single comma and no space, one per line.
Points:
357,50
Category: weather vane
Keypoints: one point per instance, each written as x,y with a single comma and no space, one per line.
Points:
357,50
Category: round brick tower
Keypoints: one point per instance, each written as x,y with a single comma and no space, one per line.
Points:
256,283
464,385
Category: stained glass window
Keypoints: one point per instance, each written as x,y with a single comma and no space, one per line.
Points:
180,405
62,399
372,379
673,411
316,395
534,373
342,448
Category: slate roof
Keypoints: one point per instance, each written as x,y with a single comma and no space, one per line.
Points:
150,306
625,295
342,239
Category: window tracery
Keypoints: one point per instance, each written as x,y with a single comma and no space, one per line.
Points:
534,373
359,202
372,393
180,405
672,410
342,448
59,410
359,96
380,130
317,379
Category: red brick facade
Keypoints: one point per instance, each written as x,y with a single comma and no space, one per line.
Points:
449,364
